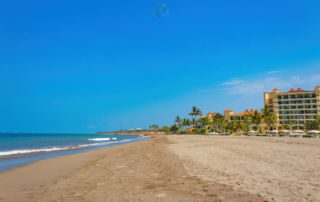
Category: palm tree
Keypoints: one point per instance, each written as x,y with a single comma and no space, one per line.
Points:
174,128
198,112
223,124
247,122
270,117
154,127
257,119
185,123
240,126
195,111
219,122
178,120
230,126
205,122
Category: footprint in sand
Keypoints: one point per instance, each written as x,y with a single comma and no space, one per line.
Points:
78,194
161,195
2,197
100,184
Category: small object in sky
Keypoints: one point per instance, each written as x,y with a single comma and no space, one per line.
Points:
161,10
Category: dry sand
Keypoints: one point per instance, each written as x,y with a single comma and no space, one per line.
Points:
141,171
279,169
175,168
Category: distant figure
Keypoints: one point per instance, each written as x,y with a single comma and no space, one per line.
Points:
161,10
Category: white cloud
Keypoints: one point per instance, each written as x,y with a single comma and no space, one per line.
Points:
284,82
274,72
231,83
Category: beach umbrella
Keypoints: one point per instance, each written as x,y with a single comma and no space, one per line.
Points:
298,131
314,131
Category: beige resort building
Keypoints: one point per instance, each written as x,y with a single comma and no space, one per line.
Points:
229,114
295,107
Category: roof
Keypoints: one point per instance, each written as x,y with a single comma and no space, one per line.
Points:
243,113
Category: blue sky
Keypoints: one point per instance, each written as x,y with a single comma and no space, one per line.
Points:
85,66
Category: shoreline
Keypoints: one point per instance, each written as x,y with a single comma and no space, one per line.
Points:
134,133
13,161
143,170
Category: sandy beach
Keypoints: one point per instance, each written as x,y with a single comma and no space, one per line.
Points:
278,169
175,168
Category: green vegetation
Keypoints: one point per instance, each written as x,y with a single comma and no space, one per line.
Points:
154,127
312,125
258,121
196,123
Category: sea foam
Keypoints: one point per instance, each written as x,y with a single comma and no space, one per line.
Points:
27,151
100,142
101,139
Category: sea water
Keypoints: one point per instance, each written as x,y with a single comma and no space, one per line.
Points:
17,149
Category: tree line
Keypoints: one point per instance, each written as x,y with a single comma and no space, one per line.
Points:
258,121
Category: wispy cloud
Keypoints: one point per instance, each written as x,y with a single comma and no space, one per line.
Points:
232,83
274,72
254,86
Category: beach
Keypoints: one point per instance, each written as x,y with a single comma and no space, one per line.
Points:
278,169
175,168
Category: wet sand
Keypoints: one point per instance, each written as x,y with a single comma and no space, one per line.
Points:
150,170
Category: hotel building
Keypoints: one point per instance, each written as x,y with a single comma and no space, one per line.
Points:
229,114
295,107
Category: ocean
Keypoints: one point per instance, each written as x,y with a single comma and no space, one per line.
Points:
17,149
